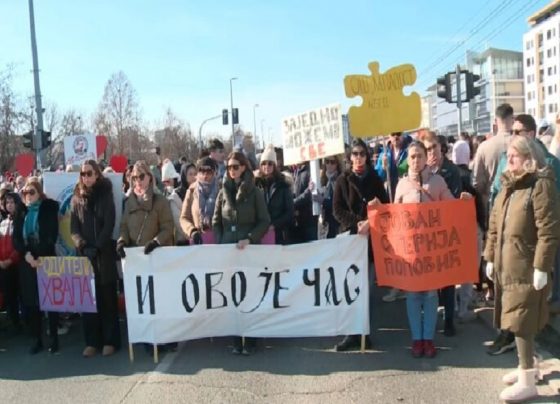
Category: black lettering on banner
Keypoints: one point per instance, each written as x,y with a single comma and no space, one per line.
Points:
268,277
330,289
196,293
210,289
243,289
316,282
349,300
149,290
277,289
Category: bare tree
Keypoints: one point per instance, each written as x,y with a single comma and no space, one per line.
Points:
118,110
176,139
11,120
71,123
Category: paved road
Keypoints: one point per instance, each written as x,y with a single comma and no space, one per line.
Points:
291,370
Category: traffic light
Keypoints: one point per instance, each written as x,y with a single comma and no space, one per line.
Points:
472,89
444,87
224,116
235,116
28,140
45,139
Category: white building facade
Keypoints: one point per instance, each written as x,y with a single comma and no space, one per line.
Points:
541,61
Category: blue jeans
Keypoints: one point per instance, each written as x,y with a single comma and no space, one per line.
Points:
422,327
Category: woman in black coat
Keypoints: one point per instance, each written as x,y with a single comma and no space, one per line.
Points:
353,191
35,235
91,225
277,193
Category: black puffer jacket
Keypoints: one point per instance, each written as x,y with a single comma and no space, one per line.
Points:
91,226
279,201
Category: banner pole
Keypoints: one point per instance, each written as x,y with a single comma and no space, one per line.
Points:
156,358
130,352
363,348
389,188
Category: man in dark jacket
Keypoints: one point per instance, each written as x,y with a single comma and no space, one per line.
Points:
438,162
305,226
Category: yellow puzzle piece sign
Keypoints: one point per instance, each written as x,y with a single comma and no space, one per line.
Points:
385,109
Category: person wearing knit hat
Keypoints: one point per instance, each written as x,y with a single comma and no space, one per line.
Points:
168,176
269,154
277,190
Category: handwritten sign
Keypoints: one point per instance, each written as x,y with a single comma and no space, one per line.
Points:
385,108
80,148
313,135
427,246
66,284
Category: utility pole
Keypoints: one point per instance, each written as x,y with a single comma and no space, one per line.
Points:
256,141
200,143
231,98
38,104
459,96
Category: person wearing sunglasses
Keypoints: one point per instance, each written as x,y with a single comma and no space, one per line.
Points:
277,190
353,190
394,159
200,200
304,228
35,236
240,218
147,221
92,220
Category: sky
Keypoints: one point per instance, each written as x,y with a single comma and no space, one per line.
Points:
288,56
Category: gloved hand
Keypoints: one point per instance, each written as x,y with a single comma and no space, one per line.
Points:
196,238
489,270
90,252
150,246
120,250
540,279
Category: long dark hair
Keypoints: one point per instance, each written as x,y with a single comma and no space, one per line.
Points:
21,209
360,143
81,190
240,157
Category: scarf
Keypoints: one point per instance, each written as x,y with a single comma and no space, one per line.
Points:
207,200
31,223
359,170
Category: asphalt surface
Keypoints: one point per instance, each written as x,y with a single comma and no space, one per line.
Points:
305,370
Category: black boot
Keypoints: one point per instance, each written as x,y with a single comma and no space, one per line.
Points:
352,343
36,347
449,328
53,346
237,346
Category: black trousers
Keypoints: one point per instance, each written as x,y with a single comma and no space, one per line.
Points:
35,321
447,299
9,285
102,328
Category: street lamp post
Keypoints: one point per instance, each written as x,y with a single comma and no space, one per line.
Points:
231,98
255,126
200,129
262,132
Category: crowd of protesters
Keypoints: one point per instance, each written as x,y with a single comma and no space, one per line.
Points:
512,175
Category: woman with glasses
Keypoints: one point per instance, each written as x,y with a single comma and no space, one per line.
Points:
91,225
329,174
241,218
277,191
35,235
353,190
200,201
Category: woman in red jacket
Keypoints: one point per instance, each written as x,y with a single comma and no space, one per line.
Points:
9,257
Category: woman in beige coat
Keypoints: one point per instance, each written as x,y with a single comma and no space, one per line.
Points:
200,200
521,246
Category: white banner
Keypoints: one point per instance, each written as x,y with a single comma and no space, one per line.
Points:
304,290
313,135
60,187
79,148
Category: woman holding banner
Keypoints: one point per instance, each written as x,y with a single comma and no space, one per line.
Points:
199,202
421,185
35,235
147,220
240,218
91,225
521,245
353,191
277,190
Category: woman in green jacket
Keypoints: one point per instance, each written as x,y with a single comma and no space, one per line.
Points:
240,217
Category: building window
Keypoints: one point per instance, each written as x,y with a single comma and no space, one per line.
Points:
548,34
549,90
549,53
541,74
550,108
550,71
